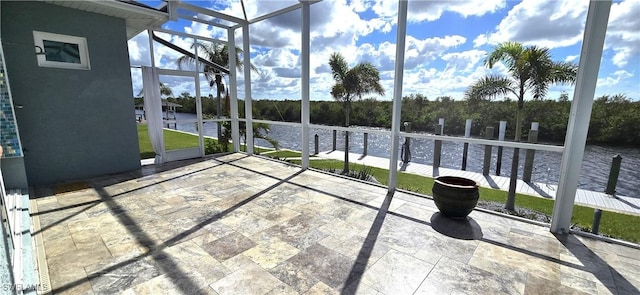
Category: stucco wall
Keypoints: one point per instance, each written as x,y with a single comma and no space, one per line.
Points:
73,123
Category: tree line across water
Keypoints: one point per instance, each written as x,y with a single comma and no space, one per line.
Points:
614,119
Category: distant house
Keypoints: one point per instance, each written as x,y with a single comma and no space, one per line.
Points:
168,108
66,106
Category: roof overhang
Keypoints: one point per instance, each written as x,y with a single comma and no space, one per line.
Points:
138,17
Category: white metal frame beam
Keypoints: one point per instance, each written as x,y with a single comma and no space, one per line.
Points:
581,106
233,90
279,12
248,104
305,71
198,102
397,94
203,21
212,13
186,35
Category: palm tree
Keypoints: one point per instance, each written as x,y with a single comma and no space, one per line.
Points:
352,84
219,55
260,130
530,69
164,90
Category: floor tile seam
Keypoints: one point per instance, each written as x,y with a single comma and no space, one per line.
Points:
558,282
159,182
596,281
506,265
428,274
415,258
242,268
466,266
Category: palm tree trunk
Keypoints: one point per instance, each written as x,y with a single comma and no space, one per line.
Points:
345,169
510,204
219,106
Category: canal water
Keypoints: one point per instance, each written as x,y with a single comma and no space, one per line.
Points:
593,176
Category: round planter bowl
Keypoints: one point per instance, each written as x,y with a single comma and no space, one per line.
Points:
454,196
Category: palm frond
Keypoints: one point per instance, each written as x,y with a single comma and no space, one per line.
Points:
369,79
536,69
339,67
508,52
258,129
337,91
490,87
564,72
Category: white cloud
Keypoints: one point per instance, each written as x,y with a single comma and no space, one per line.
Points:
139,50
480,40
556,24
436,82
614,79
571,58
623,32
464,61
427,50
419,11
549,24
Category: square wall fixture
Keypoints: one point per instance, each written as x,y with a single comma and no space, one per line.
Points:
61,51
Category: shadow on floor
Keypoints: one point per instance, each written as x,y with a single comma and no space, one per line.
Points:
539,190
626,202
463,229
615,282
492,183
360,265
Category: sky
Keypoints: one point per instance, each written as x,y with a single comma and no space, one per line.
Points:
446,43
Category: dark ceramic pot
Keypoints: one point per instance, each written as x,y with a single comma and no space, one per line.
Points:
454,196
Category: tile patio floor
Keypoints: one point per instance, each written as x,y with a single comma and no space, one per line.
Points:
244,225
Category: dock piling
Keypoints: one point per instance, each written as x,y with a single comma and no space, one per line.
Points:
405,153
335,133
529,155
465,150
597,215
501,132
437,146
613,175
316,144
366,144
487,152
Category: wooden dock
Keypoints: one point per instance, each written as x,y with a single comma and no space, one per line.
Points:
597,200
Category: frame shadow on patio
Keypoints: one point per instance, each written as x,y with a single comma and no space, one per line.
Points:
238,224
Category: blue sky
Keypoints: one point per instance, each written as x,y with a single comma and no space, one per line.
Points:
445,46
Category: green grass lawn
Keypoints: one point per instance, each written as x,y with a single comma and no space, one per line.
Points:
177,140
172,140
616,225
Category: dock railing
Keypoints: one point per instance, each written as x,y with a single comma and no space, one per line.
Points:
443,138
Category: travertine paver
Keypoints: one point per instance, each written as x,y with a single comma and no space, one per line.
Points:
237,224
